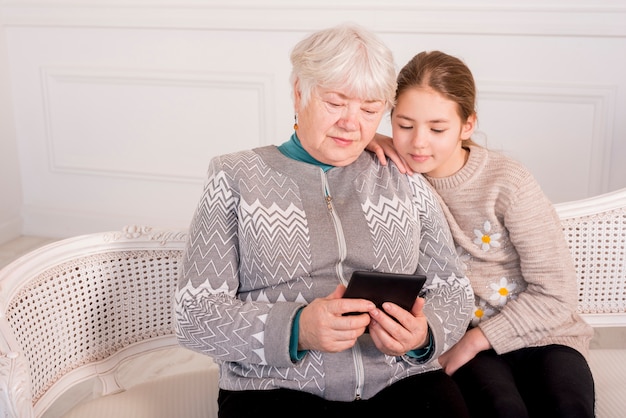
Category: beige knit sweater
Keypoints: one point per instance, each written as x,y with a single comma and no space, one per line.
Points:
510,239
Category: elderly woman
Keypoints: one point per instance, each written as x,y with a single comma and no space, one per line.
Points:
279,231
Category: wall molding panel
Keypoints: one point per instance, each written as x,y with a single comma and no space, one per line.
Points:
121,134
590,144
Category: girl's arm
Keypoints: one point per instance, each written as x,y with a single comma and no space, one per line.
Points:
550,299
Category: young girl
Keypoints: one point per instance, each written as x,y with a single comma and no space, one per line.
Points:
524,355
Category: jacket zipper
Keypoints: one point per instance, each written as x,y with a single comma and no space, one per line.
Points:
356,351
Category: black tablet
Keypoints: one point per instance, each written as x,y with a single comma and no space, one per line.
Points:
401,289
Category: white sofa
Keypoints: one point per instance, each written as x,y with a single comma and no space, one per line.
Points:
86,323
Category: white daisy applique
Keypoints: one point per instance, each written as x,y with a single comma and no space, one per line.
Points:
485,238
481,312
501,291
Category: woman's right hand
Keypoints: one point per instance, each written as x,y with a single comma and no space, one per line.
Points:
324,327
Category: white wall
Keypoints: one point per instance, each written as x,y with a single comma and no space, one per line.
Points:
10,184
119,105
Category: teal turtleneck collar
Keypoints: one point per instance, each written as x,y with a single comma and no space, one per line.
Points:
294,150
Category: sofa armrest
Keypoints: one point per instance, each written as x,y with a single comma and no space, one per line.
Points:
15,395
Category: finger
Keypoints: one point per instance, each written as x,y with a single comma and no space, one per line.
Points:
380,154
350,306
385,342
418,307
337,293
398,314
395,157
406,166
396,330
352,323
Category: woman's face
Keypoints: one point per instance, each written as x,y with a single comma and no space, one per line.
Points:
428,132
335,127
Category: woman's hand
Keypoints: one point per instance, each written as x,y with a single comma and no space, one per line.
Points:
396,338
472,343
382,146
324,327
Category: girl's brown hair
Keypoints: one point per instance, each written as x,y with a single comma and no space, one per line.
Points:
443,73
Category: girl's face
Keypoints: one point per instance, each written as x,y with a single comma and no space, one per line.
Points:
428,132
335,127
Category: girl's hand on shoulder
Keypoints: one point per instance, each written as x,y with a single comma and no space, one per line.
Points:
382,146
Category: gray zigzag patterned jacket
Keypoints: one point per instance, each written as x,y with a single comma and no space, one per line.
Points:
264,241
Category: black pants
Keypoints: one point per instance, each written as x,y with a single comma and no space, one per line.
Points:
432,394
552,381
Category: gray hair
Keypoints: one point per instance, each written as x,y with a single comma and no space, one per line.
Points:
346,57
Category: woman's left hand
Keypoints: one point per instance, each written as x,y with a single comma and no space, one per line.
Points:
382,146
409,330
